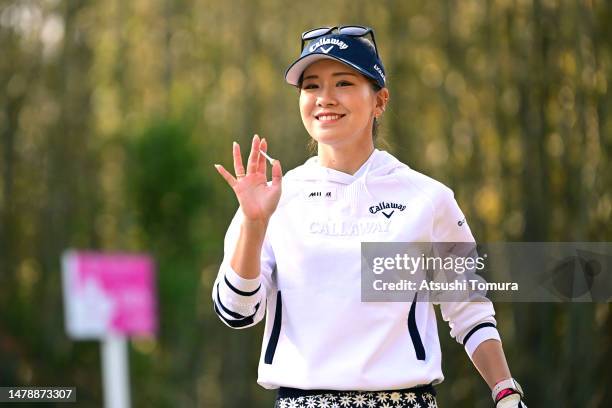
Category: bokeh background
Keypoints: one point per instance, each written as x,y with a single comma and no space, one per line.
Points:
112,114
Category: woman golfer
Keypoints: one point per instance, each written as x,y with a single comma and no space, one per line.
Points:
292,251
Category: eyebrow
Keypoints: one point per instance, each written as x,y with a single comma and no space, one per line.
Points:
334,74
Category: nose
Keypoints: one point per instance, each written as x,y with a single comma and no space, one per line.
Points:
326,97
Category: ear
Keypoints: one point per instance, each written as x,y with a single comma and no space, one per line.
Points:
382,98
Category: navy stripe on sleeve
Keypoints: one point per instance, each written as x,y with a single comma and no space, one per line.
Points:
226,310
237,323
238,291
475,329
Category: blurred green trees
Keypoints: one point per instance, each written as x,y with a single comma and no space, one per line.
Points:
113,113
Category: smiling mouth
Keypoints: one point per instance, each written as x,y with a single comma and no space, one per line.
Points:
329,117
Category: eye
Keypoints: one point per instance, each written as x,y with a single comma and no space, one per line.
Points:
309,86
344,83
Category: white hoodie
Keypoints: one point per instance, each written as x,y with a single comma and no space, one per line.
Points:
319,334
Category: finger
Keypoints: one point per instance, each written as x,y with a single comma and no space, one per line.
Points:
261,162
253,156
238,167
226,175
277,173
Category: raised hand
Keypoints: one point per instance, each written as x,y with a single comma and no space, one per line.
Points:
257,199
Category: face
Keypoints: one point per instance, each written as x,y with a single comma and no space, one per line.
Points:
338,104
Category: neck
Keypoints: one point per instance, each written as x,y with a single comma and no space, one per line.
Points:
347,159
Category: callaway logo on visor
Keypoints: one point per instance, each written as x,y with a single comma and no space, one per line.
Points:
326,41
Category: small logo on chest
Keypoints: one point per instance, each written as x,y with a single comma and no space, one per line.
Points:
387,208
320,194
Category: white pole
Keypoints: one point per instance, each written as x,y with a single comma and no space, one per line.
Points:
115,372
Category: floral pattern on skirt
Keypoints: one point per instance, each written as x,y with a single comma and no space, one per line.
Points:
360,399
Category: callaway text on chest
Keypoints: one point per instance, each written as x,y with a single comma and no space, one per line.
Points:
384,205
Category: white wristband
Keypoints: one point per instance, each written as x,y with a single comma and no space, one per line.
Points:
505,384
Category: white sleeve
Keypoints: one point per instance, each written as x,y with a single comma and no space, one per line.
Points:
239,302
471,322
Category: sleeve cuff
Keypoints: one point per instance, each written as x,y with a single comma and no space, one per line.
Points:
240,285
482,334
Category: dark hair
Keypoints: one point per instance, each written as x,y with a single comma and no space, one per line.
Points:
312,144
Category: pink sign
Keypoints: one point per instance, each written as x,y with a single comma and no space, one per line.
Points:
109,293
